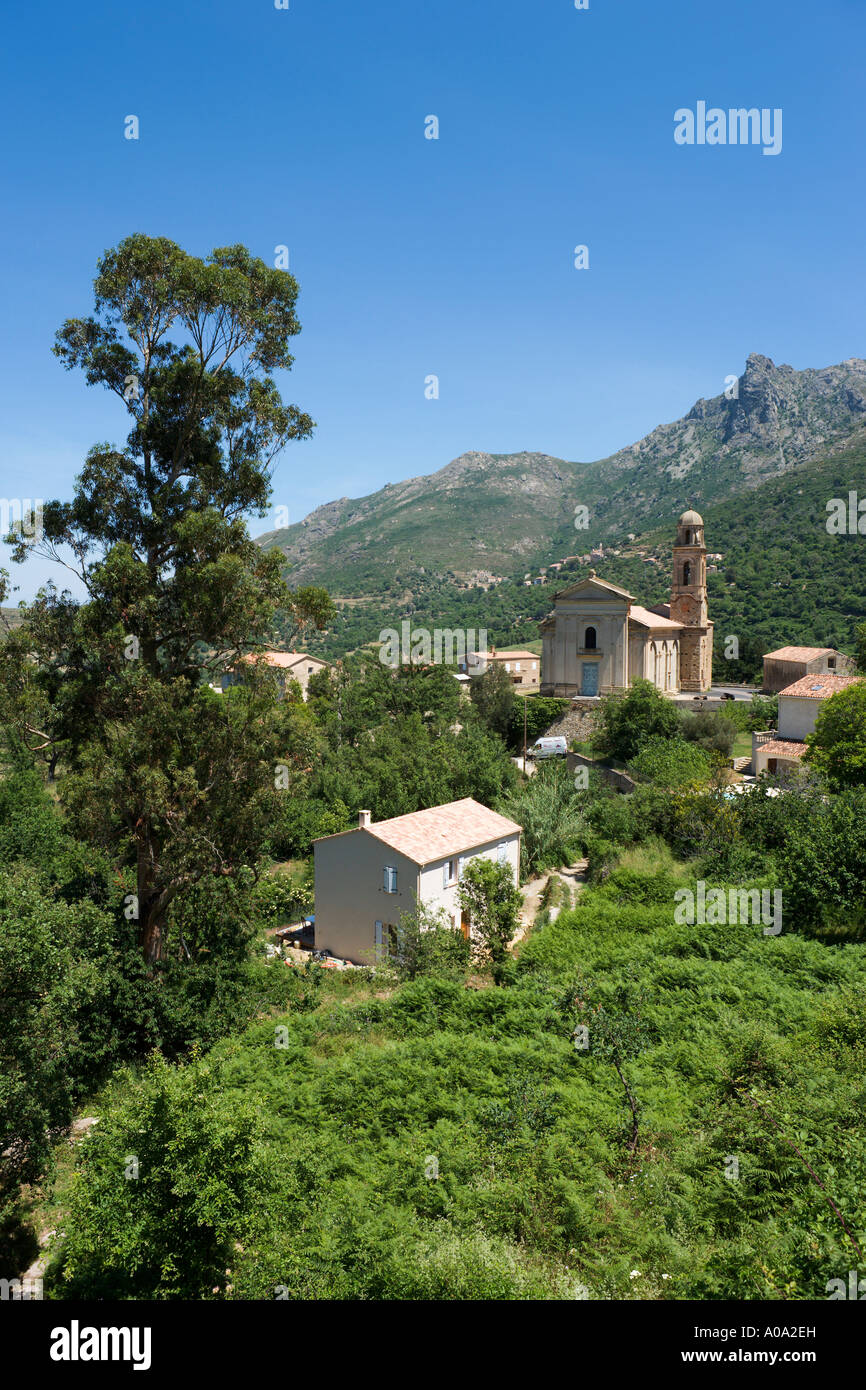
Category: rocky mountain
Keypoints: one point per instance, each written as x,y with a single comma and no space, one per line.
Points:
492,514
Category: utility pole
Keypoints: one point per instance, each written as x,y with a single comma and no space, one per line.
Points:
524,734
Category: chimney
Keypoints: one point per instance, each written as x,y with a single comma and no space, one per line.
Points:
363,820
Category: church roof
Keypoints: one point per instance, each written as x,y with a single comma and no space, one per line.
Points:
592,579
691,518
654,620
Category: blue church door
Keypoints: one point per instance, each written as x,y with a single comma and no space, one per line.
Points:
589,678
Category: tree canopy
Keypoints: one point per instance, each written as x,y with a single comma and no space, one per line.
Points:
176,587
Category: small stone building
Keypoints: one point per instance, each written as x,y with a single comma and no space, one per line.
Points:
790,664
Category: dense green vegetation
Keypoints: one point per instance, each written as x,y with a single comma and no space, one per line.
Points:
452,1143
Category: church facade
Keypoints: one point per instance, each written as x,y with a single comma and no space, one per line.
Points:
598,639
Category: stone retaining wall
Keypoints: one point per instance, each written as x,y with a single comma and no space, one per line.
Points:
620,780
577,723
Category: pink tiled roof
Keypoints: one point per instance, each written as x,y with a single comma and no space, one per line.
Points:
798,653
783,748
648,619
424,836
819,687
284,660
512,656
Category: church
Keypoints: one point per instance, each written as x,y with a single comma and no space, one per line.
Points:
597,639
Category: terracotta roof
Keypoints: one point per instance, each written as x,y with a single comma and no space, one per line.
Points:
798,653
512,656
819,687
283,660
424,836
783,748
648,619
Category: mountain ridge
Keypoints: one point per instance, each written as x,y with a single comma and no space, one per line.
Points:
489,514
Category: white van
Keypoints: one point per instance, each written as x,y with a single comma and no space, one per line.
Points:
548,748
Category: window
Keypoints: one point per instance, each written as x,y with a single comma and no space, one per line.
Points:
390,879
590,640
449,872
687,572
502,852
831,663
517,665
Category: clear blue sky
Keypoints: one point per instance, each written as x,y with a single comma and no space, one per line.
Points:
455,257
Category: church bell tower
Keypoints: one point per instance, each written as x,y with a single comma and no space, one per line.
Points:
689,604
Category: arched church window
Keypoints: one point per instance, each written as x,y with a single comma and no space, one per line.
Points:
589,642
687,572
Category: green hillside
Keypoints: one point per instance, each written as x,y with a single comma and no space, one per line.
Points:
493,515
783,578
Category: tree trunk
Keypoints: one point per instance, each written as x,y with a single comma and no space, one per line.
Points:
151,908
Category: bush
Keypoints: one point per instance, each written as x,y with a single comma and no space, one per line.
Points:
168,1181
550,811
625,722
671,762
427,944
712,731
280,897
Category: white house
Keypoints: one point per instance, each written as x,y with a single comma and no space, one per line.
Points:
368,877
799,705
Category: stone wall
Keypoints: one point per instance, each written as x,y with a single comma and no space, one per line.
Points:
620,780
575,723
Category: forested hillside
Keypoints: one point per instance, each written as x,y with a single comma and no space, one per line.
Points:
783,580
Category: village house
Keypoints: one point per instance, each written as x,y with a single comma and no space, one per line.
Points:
781,750
597,639
523,668
288,666
790,664
368,877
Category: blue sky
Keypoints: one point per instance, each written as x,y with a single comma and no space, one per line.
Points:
454,257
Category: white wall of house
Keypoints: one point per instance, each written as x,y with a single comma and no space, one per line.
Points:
439,889
797,716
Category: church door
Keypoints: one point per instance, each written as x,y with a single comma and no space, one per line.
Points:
589,680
